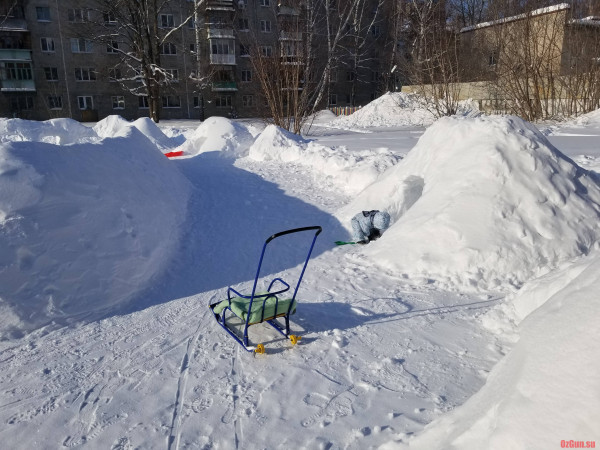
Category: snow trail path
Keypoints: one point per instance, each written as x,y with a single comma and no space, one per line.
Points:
380,356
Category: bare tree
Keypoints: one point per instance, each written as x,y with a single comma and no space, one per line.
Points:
528,49
431,58
139,32
313,37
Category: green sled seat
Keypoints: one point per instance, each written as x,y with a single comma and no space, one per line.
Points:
261,307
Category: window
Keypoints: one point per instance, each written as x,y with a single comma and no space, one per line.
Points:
168,48
85,74
242,4
332,99
265,2
118,102
223,101
112,47
191,23
198,102
243,24
267,51
43,13
15,71
21,103
47,44
166,21
246,75
78,15
109,18
244,50
493,59
80,45
172,74
193,48
376,30
143,102
55,102
265,26
171,101
349,76
85,102
220,48
51,73
247,100
333,76
114,74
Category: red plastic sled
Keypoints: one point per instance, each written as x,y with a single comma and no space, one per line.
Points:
172,154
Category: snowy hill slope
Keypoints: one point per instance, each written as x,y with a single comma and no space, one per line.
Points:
542,392
84,226
54,131
483,203
351,171
218,134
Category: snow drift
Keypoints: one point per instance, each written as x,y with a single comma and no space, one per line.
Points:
544,391
83,227
54,131
396,109
482,203
113,126
352,171
218,134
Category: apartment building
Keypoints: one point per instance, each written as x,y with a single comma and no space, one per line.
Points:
57,60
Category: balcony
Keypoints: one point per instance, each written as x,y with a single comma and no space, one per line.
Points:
283,10
219,5
13,24
224,86
222,33
14,54
222,59
290,36
17,86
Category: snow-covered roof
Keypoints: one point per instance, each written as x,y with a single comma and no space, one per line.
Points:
537,12
593,21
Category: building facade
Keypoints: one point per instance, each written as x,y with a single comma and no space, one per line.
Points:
57,59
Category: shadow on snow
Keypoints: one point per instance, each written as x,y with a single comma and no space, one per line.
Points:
231,214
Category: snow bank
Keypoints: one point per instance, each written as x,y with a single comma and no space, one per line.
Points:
54,131
113,126
351,171
545,390
218,134
83,227
482,203
395,109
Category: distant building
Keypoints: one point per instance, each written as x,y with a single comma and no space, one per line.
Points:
51,66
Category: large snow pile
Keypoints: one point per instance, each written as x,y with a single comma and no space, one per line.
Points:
395,109
545,391
85,226
54,131
589,119
352,171
218,134
115,125
482,203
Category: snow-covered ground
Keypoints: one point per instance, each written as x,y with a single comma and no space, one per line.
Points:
470,324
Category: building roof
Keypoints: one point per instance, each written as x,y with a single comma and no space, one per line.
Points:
537,12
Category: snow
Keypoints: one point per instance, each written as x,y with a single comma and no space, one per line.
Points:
486,203
350,170
470,323
395,109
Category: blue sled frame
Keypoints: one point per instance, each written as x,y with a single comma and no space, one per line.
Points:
283,329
